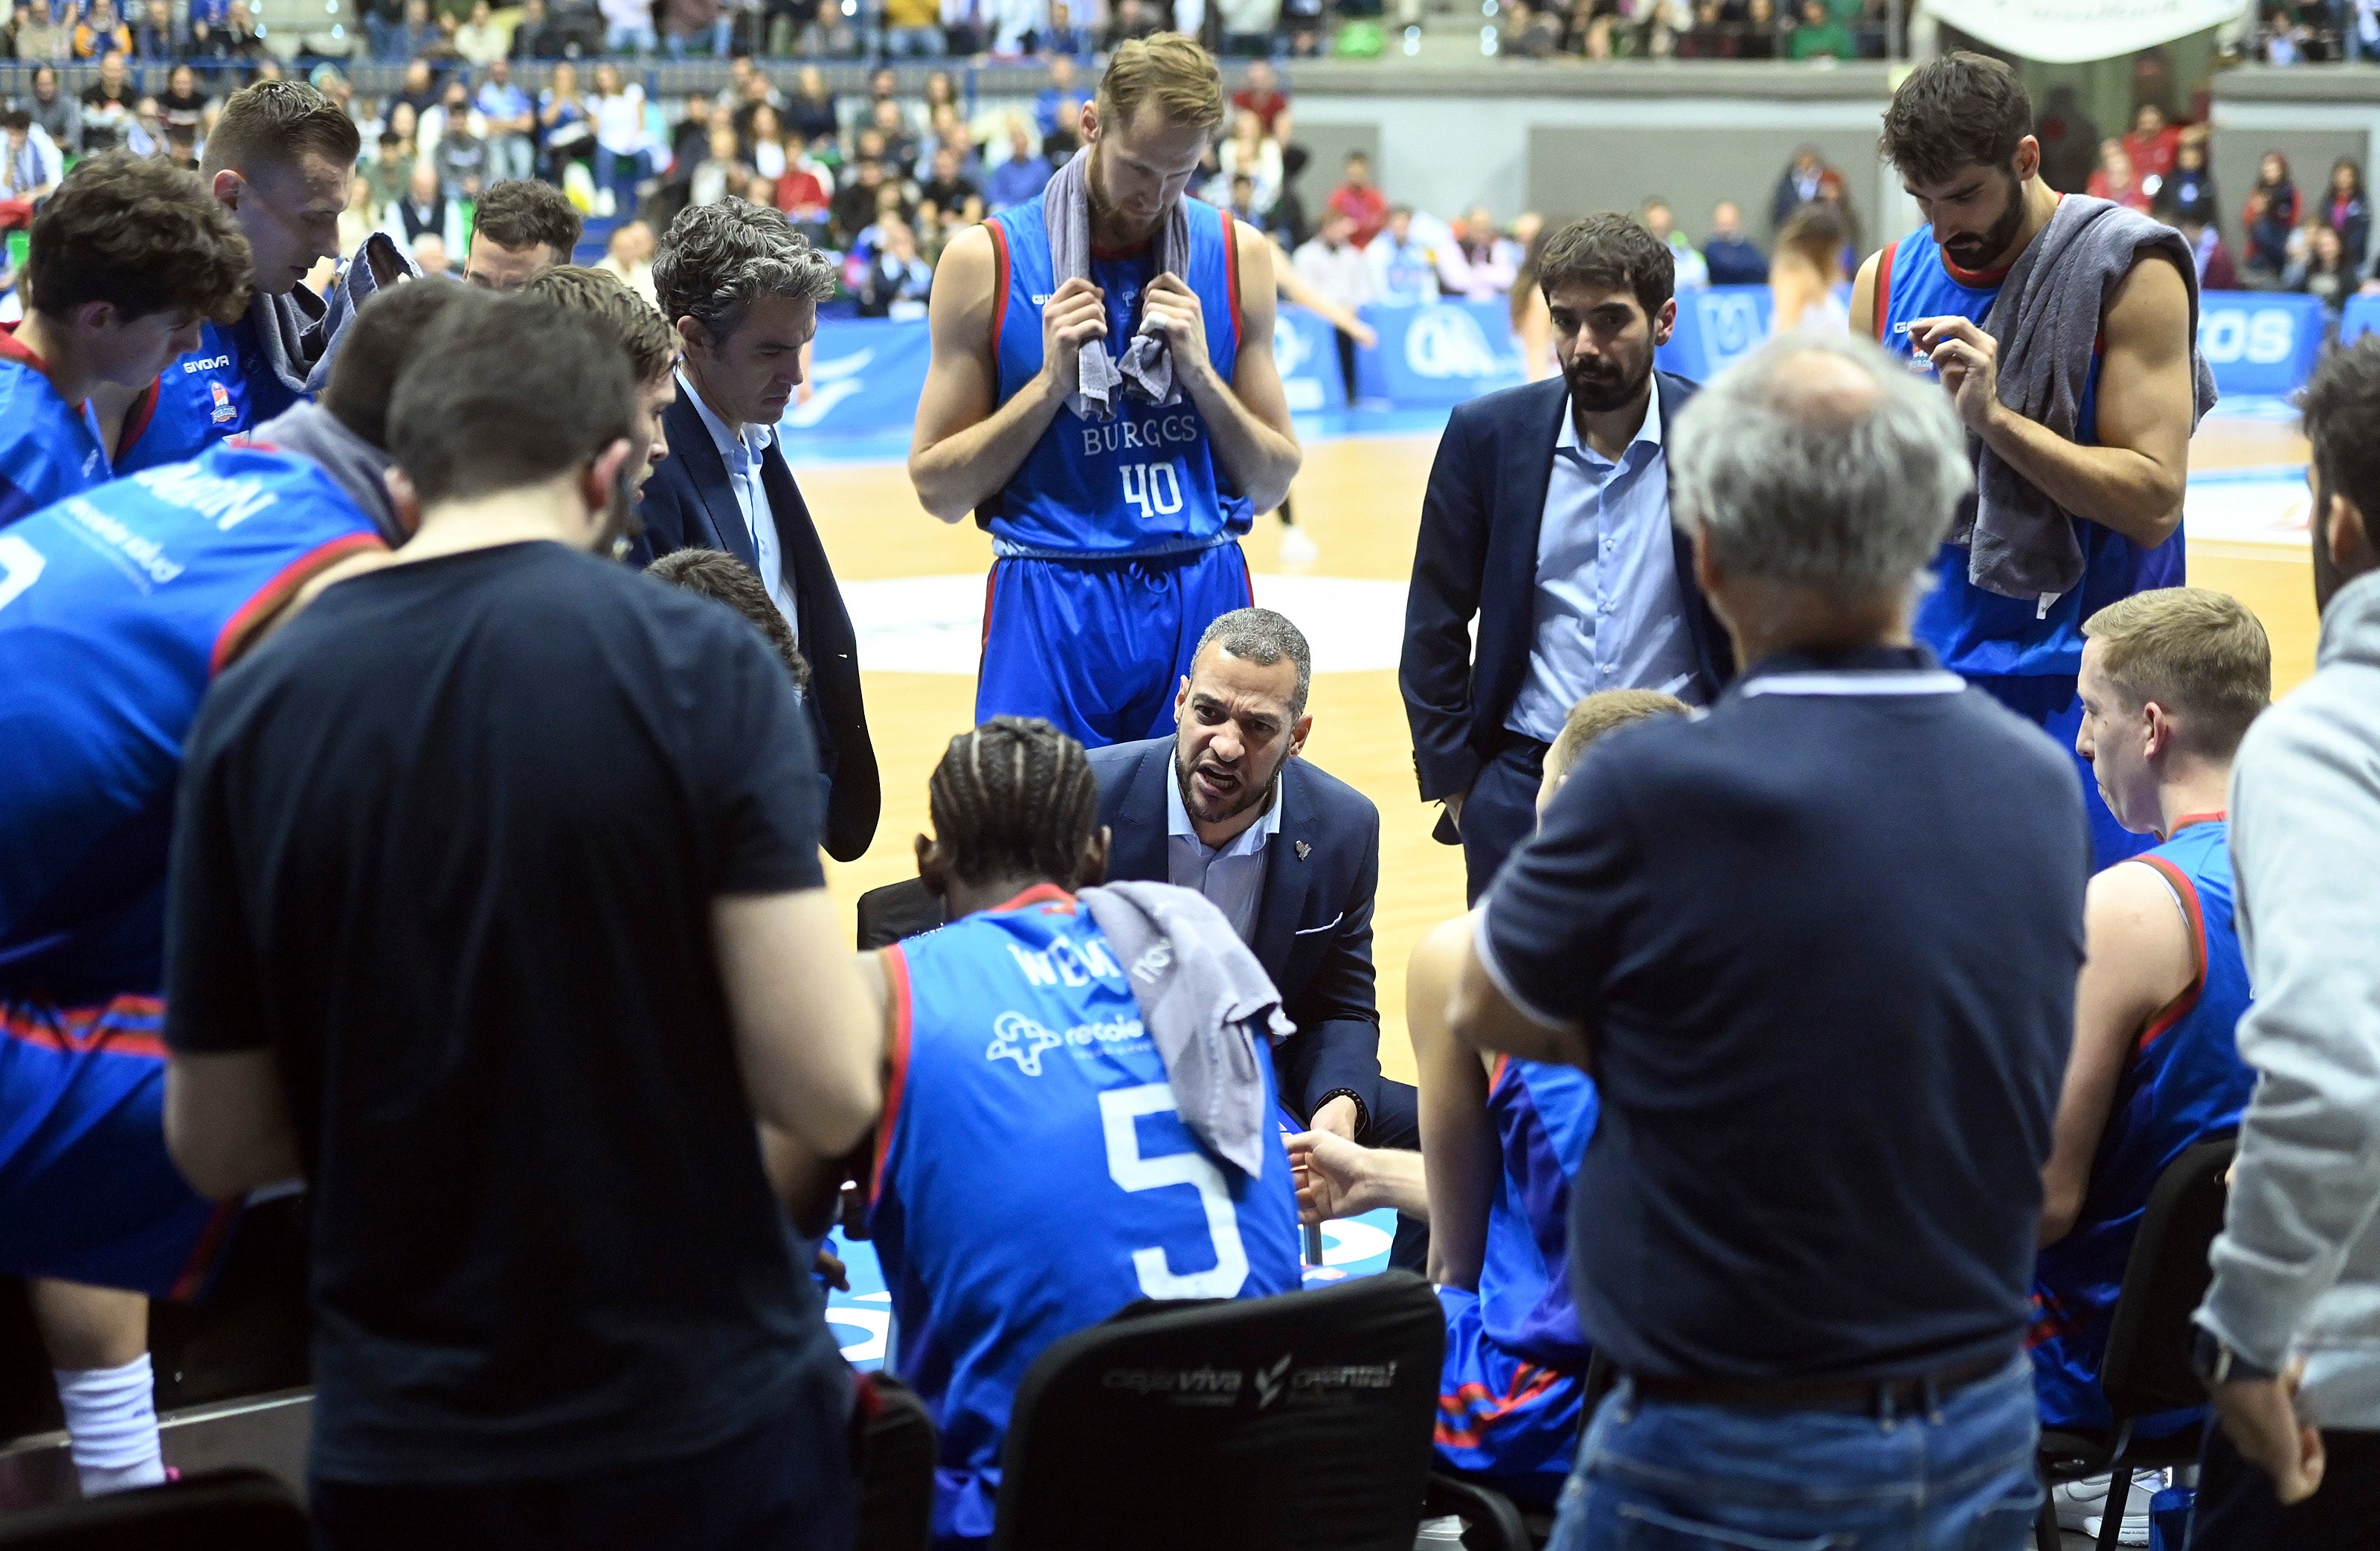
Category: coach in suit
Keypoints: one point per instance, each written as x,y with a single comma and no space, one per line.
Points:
1548,518
742,289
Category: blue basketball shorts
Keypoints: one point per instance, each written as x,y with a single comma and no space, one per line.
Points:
88,1192
1099,647
1500,1417
2054,704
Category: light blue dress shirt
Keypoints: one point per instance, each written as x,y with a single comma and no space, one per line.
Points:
742,449
1231,875
1608,606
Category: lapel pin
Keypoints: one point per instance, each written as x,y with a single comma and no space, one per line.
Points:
1304,847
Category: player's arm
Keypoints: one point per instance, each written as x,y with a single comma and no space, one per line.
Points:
2140,959
806,1035
1336,1178
1248,416
2132,480
810,1184
1460,1156
967,444
1480,1016
1863,297
227,1122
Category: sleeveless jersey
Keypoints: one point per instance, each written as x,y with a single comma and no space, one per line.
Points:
1980,633
1545,1117
2184,1084
117,608
226,386
1032,1175
49,448
1145,481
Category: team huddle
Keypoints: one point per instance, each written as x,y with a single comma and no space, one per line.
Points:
425,707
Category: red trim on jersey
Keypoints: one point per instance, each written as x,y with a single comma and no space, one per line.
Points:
14,348
990,580
1884,289
204,1253
1232,268
998,290
1038,893
137,417
896,1064
2188,819
1466,1416
1496,1073
274,593
2181,1005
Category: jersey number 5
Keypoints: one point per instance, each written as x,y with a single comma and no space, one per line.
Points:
1154,488
21,567
1119,1109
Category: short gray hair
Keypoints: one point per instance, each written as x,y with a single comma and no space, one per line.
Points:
718,259
1848,493
1264,638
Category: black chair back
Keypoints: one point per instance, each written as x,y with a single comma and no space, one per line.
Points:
892,1440
223,1510
1300,1422
2147,1366
897,910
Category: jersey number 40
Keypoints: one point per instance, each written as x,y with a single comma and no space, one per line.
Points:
1155,489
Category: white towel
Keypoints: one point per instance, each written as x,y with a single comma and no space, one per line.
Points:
1148,368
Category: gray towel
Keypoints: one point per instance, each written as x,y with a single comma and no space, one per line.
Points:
355,465
1200,993
1148,369
300,331
2047,319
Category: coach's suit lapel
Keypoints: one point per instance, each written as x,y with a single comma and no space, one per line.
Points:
1140,844
1289,874
1511,580
723,518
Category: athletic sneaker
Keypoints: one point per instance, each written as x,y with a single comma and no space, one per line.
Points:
2080,1504
1298,548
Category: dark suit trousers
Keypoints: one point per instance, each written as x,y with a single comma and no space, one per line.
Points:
2238,1511
1502,811
1396,1122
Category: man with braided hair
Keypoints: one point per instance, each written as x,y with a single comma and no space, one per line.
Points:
1020,1077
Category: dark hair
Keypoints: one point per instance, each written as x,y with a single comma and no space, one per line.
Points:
1015,799
508,391
142,234
1961,110
377,346
716,259
651,344
16,119
1610,251
1263,637
720,576
274,122
2340,407
520,212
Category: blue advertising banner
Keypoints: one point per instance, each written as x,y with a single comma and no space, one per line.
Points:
2363,315
1306,350
1438,353
1715,326
2260,342
866,377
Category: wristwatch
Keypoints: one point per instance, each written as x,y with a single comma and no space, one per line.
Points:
2218,1363
1363,1112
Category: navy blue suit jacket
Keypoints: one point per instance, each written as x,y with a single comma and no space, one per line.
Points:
688,504
1477,554
1314,919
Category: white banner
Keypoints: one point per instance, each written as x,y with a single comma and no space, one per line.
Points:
2071,31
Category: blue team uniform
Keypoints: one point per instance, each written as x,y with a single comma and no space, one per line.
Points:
224,387
49,448
1032,1177
1115,541
2025,652
1512,1388
2185,1084
117,608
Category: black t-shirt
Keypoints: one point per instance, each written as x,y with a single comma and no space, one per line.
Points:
1824,944
448,846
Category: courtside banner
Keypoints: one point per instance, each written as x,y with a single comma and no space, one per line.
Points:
2075,31
1438,353
2260,342
1306,350
867,375
1717,325
2363,315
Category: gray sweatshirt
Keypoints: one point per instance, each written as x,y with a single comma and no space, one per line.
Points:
2297,1268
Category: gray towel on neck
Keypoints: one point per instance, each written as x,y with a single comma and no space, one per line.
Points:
355,465
300,331
2047,319
1201,994
1148,368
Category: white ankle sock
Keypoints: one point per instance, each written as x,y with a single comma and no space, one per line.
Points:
112,1421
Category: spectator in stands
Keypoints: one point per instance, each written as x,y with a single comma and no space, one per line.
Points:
948,130
33,163
566,129
426,211
1730,257
478,39
2324,271
520,228
461,152
721,171
686,23
58,114
628,29
107,105
1403,270
1022,176
511,121
2266,243
1261,93
1064,37
622,144
2290,1333
897,279
914,28
2154,145
1249,150
238,38
719,1414
1798,184
2118,180
1880,1040
538,35
1335,266
390,173
100,34
810,110
763,145
855,204
628,258
1693,275
32,34
418,35
2188,192
2347,210
1806,273
801,193
2070,140
1821,34
1360,199
1480,265
155,40
949,188
182,104
2216,270
2279,194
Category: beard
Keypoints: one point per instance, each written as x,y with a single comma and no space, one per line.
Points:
1600,389
2328,577
1970,253
1237,799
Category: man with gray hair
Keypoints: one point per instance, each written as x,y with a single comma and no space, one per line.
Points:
1819,949
742,288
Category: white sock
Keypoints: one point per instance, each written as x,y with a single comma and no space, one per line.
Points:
112,1422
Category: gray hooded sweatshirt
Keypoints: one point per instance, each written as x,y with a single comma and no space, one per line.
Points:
2297,1268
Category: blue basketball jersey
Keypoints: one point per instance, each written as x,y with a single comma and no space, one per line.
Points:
1032,1175
117,608
226,386
2184,1084
1545,1116
1145,481
1980,633
49,448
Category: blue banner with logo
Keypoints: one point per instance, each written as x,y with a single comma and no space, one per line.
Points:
2363,315
867,375
1715,326
1305,348
2260,342
1438,353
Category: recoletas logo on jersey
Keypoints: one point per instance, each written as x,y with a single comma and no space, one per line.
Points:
1022,1040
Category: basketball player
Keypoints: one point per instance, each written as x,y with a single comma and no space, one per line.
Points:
1114,536
119,608
126,261
1961,132
1032,1175
651,344
1501,1139
2170,681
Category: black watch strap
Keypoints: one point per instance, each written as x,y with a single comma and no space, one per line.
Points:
2220,1363
1363,1111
